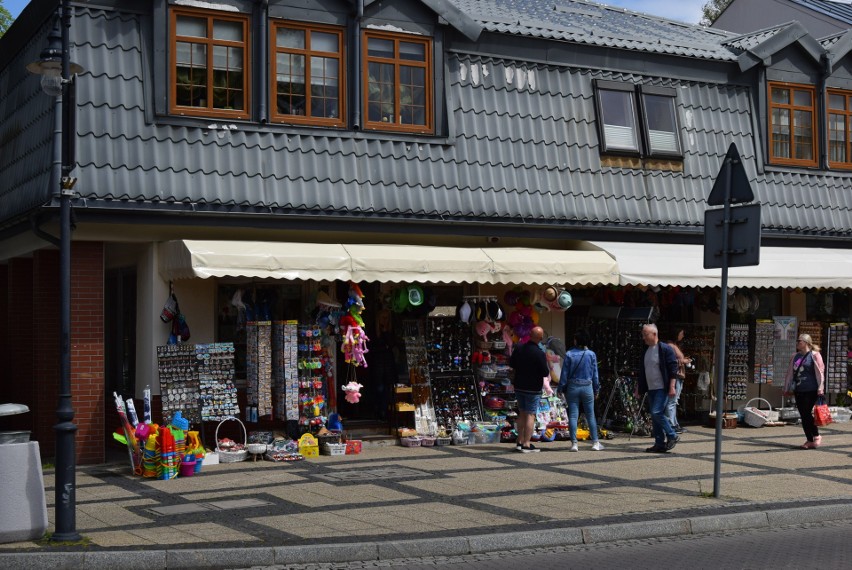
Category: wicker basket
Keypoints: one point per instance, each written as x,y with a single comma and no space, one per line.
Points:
756,417
226,456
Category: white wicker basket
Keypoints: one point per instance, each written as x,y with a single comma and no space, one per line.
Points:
226,456
756,417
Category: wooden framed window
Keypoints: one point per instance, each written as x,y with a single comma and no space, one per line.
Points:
637,120
791,124
209,63
308,74
839,128
397,82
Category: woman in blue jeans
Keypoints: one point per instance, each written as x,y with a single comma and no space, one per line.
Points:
580,383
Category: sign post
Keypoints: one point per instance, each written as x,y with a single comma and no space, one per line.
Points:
731,239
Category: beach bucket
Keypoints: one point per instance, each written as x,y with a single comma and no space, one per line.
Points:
187,468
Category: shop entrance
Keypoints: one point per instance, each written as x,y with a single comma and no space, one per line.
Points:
382,370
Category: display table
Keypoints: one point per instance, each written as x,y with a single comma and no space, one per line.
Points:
23,515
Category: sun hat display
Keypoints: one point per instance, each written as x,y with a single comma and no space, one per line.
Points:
550,294
399,300
464,312
415,295
565,300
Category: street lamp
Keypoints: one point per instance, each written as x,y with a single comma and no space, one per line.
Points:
57,80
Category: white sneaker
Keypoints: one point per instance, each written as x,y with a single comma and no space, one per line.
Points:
597,446
574,447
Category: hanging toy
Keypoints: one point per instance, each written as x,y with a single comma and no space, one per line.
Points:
353,392
354,346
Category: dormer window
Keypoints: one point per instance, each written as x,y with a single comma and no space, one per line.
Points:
791,124
839,128
397,79
637,120
209,64
307,72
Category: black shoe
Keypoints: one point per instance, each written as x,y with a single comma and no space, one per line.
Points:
655,449
679,429
671,443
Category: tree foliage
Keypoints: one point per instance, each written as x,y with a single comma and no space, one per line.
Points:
711,10
5,19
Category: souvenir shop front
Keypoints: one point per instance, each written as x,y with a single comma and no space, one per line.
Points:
413,341
409,341
768,307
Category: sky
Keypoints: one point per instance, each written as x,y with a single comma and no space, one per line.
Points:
685,10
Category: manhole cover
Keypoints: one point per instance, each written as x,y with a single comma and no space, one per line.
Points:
367,474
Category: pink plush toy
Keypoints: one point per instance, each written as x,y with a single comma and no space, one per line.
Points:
355,346
353,392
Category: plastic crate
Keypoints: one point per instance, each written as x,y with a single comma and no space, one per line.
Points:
333,449
410,441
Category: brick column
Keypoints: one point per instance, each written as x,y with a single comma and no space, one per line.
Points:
45,363
19,386
87,349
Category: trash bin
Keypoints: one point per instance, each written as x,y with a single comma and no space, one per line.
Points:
24,512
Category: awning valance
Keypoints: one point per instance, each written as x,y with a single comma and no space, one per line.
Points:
680,264
186,259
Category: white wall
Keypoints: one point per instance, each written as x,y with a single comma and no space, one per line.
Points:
197,299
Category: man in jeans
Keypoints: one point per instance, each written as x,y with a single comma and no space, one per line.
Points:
658,379
530,365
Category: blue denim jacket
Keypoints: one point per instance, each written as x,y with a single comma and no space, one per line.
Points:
582,365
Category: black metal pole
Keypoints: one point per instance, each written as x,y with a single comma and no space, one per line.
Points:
723,325
66,460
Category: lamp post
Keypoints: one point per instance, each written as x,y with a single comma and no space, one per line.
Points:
56,71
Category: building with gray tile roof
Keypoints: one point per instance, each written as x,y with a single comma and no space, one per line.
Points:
517,151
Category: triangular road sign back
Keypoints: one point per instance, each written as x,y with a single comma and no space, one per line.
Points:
740,187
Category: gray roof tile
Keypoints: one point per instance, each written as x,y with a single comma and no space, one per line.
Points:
596,24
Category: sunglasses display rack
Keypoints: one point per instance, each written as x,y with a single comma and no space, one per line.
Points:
258,370
836,380
455,399
177,367
285,356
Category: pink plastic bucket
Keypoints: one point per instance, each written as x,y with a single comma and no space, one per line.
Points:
187,469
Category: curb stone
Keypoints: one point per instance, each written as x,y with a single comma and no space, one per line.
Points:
223,558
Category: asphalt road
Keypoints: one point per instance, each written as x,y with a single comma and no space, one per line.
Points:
823,546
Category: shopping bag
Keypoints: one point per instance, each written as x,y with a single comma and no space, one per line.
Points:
822,415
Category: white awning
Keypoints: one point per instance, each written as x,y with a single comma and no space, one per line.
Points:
678,264
186,259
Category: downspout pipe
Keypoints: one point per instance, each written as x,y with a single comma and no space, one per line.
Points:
261,18
356,68
822,111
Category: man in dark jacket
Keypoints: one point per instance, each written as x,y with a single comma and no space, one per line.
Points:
530,365
658,379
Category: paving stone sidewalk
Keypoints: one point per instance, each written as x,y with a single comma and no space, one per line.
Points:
391,502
